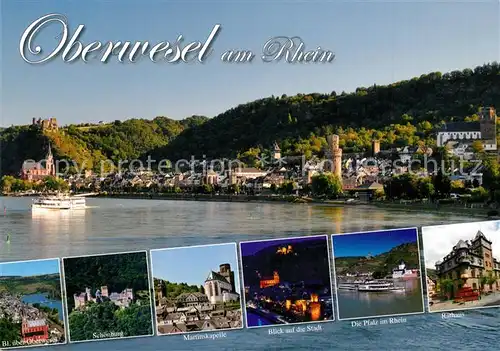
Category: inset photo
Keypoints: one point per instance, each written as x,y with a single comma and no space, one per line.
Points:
197,289
31,309
287,281
378,273
462,264
108,296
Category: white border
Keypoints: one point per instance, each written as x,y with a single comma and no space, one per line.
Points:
149,290
65,321
329,278
428,301
419,266
190,247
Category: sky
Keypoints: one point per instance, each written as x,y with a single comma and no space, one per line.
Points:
250,248
29,268
374,42
361,244
192,265
439,240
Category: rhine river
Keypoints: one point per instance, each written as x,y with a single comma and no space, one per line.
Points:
117,225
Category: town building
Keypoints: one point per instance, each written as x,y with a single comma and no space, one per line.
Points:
195,299
483,130
34,330
211,178
240,175
470,261
219,286
34,171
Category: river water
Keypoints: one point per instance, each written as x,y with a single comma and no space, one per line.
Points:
44,300
117,225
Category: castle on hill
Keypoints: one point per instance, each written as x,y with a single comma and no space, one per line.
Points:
46,124
122,300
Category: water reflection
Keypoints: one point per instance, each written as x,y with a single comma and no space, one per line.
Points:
57,221
120,224
354,304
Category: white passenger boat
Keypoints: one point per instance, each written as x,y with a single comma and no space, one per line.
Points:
59,202
347,286
374,286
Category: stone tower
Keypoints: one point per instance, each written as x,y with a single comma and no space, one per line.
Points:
49,163
375,147
482,246
487,123
226,272
335,155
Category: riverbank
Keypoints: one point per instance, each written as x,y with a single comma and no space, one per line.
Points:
472,210
479,212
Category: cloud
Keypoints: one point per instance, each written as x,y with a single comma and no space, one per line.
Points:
438,241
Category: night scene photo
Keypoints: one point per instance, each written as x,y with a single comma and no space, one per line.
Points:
378,273
287,281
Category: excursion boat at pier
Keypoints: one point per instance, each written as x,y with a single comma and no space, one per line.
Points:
347,286
59,202
379,287
371,286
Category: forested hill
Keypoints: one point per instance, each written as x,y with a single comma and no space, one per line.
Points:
89,144
403,113
423,102
383,262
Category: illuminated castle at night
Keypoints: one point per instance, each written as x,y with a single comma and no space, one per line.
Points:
285,250
270,281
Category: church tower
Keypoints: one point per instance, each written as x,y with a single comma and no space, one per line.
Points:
487,123
49,163
276,152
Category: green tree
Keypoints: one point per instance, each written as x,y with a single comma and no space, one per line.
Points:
446,288
326,184
477,147
7,183
426,188
288,187
491,174
207,189
234,189
442,184
9,330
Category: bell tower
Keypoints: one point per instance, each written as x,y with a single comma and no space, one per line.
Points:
487,123
49,163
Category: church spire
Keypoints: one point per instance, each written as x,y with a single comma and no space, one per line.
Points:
49,152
